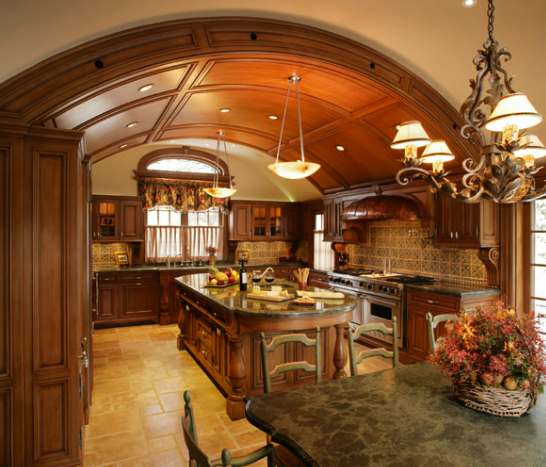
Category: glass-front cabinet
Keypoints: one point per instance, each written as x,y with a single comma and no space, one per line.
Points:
275,221
107,216
117,218
260,221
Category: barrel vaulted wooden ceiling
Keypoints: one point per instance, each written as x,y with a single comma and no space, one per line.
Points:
351,95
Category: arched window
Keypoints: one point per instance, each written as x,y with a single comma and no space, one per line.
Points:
182,220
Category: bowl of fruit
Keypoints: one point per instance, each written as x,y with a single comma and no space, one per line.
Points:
218,278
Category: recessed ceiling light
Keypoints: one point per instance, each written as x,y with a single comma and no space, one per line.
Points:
124,145
272,117
225,110
469,3
132,124
207,144
146,87
340,148
232,145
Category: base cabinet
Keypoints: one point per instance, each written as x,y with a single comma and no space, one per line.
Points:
317,279
419,304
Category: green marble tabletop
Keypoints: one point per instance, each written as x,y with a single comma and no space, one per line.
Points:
405,417
232,300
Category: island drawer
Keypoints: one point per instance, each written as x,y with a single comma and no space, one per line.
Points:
430,300
204,331
108,278
204,352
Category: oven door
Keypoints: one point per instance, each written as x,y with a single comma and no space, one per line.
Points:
358,312
381,310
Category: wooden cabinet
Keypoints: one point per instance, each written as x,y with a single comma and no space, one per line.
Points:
127,297
118,218
471,225
332,220
264,221
419,304
317,279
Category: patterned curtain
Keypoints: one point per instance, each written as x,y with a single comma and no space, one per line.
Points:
179,195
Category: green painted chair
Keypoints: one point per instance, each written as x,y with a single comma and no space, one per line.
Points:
352,336
284,457
432,323
199,459
292,366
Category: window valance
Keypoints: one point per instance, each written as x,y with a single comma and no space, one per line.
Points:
180,195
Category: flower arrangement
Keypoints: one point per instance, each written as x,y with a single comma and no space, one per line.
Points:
211,250
493,347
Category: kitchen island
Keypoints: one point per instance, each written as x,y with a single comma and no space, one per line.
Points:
220,328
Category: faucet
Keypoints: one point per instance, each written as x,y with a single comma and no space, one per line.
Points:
387,266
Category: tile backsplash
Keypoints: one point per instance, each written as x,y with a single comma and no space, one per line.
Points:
269,252
102,255
411,249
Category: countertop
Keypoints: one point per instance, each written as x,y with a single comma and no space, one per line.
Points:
233,301
408,416
453,289
161,267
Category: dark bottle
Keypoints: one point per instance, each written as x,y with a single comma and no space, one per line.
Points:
243,279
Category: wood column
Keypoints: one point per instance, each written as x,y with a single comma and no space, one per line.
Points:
164,313
235,406
340,352
41,293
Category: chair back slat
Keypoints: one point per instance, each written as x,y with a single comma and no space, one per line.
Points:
291,366
352,336
432,323
197,457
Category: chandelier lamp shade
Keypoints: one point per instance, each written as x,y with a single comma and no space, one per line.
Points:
294,169
505,169
217,191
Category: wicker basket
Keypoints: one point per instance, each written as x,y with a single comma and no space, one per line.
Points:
496,401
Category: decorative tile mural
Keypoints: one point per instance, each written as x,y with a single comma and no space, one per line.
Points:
102,255
269,252
411,250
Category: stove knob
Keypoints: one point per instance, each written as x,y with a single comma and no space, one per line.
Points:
370,286
361,284
331,279
383,288
394,290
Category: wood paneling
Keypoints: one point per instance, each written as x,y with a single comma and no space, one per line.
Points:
50,313
5,306
6,428
51,420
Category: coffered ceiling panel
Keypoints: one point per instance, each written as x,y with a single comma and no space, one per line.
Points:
120,147
250,108
332,87
114,128
120,94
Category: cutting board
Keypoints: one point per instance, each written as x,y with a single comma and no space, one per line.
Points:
270,298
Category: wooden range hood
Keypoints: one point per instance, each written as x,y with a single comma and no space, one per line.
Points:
355,217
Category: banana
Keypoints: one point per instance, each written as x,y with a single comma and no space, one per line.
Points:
221,276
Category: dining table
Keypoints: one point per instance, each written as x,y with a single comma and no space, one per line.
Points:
402,417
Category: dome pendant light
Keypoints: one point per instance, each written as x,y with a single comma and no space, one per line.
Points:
215,191
295,169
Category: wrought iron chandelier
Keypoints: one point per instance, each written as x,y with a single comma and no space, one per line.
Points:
295,169
217,191
504,172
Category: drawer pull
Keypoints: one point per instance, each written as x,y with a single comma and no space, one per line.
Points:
204,333
432,302
138,283
137,278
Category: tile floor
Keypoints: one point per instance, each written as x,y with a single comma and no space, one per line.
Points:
139,379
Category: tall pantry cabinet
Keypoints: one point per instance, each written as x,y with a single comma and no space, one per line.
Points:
43,303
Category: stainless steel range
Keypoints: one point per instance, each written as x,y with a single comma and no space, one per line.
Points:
379,296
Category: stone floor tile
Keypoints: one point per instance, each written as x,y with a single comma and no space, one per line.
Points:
151,409
111,386
171,401
114,448
171,458
165,443
163,424
114,422
134,399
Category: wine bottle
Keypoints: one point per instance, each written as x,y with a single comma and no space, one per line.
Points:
243,279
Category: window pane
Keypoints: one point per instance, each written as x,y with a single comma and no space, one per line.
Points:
164,217
151,217
539,289
203,218
192,218
319,222
176,218
214,218
539,242
540,308
540,214
182,165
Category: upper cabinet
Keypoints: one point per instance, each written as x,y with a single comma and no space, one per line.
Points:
332,220
470,225
264,221
118,218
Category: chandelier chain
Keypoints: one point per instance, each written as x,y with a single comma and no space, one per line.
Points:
490,20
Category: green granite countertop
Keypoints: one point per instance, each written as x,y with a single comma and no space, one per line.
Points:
404,417
161,267
232,300
453,289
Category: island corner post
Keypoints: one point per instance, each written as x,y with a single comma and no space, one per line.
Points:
221,330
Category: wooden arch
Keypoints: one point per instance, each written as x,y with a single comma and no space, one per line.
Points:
352,95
